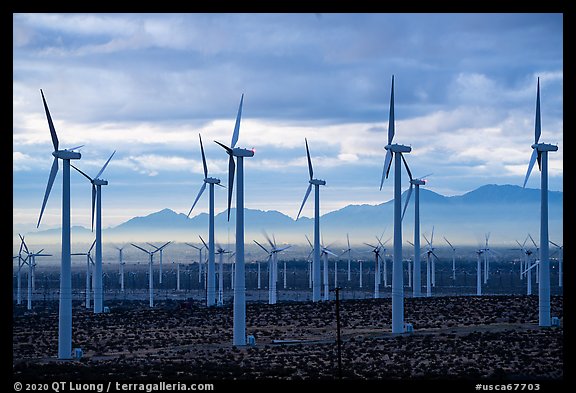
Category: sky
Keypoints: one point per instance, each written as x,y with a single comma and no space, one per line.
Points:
146,86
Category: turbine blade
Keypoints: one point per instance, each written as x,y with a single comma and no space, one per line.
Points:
451,246
387,164
262,247
310,170
237,125
192,245
197,197
533,242
309,242
203,157
269,240
228,150
231,170
330,252
348,240
92,246
304,200
530,165
391,115
407,200
51,178
146,251
50,123
537,123
85,175
406,165
203,242
554,244
164,245
105,165
93,204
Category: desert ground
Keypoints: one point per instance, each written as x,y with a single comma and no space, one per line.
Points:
455,338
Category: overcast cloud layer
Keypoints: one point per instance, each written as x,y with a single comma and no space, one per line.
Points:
146,85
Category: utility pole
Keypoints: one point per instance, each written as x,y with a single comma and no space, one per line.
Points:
338,340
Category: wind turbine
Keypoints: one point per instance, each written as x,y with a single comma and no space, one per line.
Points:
430,250
560,252
453,259
384,271
273,270
97,184
376,251
325,252
348,250
161,250
211,271
540,153
150,272
416,276
310,267
239,309
479,253
396,150
122,263
487,252
316,259
537,252
220,251
429,264
21,263
269,271
89,262
65,300
31,262
200,262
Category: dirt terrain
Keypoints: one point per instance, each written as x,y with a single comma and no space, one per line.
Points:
454,338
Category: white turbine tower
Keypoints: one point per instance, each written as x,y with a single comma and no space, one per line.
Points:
199,259
349,251
21,263
150,272
239,309
453,259
220,251
540,153
416,276
161,250
31,263
89,263
211,271
316,259
273,267
97,184
122,263
310,267
324,254
479,253
396,150
430,264
65,301
560,252
487,252
376,251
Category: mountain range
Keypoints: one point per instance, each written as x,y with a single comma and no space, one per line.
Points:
506,212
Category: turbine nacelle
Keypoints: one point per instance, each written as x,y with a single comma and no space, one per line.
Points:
239,152
317,182
418,182
67,154
211,180
544,147
100,182
396,148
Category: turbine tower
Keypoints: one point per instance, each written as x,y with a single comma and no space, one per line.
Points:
65,300
239,310
97,184
273,267
349,251
416,276
89,263
211,272
161,250
31,263
453,259
21,263
376,251
540,153
560,252
316,259
396,150
122,263
150,272
325,252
